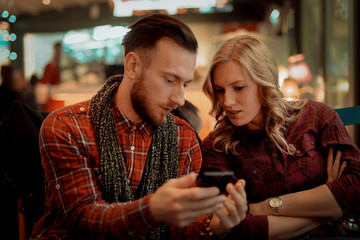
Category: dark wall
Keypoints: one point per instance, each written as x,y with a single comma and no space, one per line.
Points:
78,18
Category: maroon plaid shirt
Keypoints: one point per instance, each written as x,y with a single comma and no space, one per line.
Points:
70,157
270,173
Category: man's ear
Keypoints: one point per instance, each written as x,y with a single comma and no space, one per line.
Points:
133,65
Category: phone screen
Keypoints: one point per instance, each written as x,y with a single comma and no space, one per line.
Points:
215,178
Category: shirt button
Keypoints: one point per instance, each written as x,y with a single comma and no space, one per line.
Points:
254,172
82,109
100,177
132,148
298,151
275,155
57,186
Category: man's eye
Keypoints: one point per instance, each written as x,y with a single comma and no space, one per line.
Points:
186,85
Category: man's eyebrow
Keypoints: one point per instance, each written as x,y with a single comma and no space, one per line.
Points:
177,77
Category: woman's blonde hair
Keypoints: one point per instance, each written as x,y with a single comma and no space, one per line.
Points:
255,58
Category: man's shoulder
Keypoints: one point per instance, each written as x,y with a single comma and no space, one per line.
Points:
73,110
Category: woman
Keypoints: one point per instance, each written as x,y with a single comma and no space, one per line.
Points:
280,148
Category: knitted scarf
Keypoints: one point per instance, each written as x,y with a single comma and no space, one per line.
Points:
161,163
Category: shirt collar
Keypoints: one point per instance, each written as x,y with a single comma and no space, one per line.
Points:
145,128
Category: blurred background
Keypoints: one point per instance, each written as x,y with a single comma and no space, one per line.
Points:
58,52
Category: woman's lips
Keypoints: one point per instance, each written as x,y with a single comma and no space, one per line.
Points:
233,113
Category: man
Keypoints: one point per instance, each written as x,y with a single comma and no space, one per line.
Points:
111,163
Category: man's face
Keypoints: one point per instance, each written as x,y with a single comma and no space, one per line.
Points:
160,88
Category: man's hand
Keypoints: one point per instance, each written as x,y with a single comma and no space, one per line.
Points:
234,210
334,170
177,203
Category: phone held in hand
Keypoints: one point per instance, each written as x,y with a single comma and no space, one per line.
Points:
215,178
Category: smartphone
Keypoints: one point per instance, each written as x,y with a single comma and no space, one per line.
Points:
215,178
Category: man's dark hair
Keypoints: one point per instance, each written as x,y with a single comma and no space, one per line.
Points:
145,33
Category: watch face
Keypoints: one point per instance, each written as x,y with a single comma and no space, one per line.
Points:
275,202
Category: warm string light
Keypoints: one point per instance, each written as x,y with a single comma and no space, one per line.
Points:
298,69
290,89
46,2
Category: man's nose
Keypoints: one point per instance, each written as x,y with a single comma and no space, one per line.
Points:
177,97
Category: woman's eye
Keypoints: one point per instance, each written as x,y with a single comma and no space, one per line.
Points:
239,88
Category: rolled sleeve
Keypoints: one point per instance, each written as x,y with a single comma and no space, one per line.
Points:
345,189
252,227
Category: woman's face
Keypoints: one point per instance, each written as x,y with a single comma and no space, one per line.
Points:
238,94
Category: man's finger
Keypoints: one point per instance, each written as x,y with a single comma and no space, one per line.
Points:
197,201
183,182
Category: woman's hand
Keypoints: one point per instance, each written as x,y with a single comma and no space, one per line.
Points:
334,170
234,210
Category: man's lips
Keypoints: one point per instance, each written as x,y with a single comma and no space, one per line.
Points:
168,108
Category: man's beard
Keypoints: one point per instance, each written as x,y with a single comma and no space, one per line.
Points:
141,104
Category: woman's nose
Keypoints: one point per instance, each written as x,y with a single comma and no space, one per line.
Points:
228,99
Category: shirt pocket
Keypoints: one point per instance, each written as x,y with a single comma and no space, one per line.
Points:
307,158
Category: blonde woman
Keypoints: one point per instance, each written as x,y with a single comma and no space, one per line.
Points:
280,148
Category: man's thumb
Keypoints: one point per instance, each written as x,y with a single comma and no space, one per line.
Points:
185,181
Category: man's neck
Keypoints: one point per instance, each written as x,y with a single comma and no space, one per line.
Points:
123,100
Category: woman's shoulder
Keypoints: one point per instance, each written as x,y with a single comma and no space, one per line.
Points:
318,111
208,139
318,107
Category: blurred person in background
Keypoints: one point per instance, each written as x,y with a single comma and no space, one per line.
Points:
52,70
14,87
192,114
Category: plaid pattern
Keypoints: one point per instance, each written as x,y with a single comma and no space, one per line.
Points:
270,173
70,158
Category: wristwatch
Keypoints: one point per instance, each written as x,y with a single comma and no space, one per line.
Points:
275,204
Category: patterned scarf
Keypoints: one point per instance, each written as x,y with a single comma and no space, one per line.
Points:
161,163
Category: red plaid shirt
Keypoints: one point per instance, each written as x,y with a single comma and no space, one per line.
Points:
270,173
70,157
